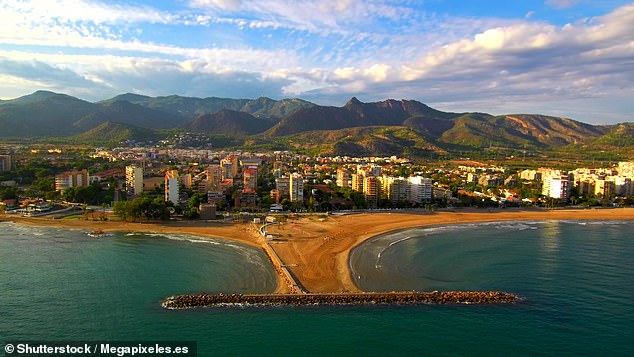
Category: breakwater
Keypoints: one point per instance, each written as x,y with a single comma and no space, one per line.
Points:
435,297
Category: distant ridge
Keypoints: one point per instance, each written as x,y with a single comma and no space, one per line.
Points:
389,126
229,122
128,113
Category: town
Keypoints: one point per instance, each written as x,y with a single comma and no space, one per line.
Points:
162,183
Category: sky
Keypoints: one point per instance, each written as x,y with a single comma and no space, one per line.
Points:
569,58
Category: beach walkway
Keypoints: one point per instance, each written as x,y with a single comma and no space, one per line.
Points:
293,285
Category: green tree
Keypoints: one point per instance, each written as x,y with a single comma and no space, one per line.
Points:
142,207
191,212
120,209
8,193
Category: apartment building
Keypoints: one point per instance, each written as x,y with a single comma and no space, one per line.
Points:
171,186
70,179
133,180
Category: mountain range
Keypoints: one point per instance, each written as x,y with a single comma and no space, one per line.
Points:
389,126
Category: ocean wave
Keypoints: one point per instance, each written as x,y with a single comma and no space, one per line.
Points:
244,250
597,222
18,229
400,240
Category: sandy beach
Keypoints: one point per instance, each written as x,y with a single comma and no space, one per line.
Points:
316,248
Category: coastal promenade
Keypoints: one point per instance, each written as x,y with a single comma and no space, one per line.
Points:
292,285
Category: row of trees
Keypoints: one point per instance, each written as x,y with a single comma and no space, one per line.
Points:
143,207
92,194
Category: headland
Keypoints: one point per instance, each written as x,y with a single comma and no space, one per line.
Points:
315,249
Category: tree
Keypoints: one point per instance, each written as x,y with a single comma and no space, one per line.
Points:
121,209
286,204
8,193
140,207
191,212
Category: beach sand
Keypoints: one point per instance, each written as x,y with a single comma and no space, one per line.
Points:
316,248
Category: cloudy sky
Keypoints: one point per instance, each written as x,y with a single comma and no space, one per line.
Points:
572,58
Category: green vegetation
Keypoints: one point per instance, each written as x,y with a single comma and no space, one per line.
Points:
406,128
109,134
142,208
92,195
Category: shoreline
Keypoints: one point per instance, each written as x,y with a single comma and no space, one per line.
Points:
328,244
244,233
316,249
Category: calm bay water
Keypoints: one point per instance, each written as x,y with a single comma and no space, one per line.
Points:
577,278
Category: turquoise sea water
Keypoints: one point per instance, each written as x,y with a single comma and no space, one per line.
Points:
577,278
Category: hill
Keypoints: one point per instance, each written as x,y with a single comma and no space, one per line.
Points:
190,107
128,113
365,141
356,114
517,130
229,122
45,113
42,114
620,135
116,133
461,129
390,126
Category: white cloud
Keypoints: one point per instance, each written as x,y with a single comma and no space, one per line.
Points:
511,68
338,53
562,4
319,16
227,5
80,11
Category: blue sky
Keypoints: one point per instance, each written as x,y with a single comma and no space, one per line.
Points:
571,58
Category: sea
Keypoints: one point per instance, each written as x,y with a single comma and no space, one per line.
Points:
576,280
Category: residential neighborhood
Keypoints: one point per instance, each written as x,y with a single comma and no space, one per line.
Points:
190,182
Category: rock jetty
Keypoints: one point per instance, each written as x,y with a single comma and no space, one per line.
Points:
434,297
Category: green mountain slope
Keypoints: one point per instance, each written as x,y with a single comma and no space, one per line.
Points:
620,135
115,133
518,130
229,122
128,113
191,107
350,129
367,141
356,114
42,114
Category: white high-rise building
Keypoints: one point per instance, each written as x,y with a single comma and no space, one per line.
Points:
134,180
296,188
420,189
282,185
557,187
171,186
6,163
394,189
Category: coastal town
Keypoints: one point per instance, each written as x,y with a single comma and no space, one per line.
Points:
317,177
207,184
306,213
